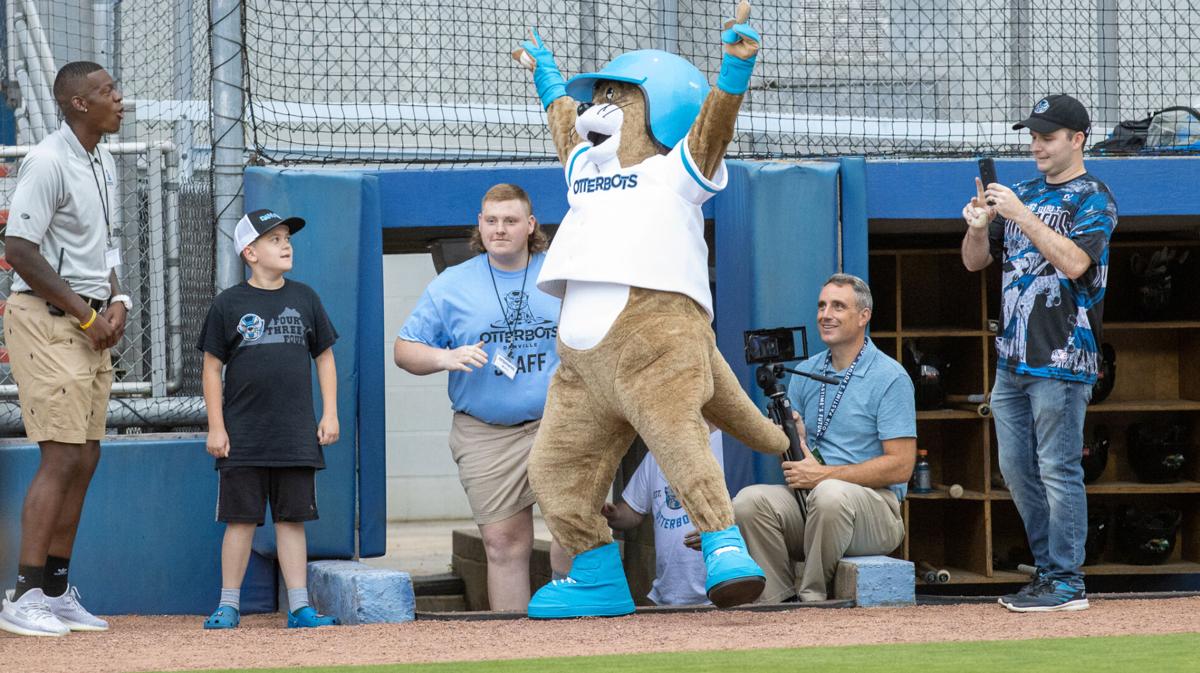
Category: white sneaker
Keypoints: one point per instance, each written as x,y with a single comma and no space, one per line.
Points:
68,610
30,616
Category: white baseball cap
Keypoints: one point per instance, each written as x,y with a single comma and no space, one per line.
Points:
258,222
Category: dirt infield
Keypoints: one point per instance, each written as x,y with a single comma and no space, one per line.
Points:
178,643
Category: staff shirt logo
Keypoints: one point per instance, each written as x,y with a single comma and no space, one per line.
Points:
517,311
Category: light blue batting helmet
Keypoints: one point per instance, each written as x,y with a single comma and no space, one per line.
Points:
674,89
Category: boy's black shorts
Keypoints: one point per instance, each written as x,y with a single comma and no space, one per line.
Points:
243,492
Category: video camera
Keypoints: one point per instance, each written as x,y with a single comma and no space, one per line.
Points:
769,349
775,345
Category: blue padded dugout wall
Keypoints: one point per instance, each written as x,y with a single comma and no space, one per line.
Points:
777,240
148,542
928,189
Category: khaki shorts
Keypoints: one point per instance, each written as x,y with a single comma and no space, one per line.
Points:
62,383
492,463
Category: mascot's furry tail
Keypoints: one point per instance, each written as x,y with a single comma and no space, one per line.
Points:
733,412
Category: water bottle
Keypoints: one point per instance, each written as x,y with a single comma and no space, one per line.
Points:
922,477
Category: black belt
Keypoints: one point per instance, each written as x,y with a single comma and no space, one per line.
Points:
92,302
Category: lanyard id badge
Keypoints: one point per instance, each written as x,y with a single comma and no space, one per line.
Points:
504,365
502,360
112,256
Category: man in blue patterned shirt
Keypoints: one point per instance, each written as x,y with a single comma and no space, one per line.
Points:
1051,235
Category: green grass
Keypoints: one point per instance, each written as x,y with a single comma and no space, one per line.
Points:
1114,654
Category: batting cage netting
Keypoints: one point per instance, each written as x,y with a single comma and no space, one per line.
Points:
377,80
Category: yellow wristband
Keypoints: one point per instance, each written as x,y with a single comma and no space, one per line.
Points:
88,324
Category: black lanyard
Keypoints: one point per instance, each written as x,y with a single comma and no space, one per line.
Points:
512,324
103,193
823,419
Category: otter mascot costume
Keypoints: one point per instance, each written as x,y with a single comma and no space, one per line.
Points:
641,143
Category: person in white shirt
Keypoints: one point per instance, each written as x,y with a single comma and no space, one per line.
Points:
678,569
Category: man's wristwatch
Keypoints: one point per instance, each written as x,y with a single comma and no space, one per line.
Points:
124,299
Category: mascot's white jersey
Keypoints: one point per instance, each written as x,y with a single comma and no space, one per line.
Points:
639,226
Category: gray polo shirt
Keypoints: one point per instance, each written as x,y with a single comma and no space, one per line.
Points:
59,204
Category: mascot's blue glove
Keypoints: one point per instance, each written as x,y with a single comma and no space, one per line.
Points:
546,77
735,72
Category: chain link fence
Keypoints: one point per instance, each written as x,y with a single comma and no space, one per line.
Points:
158,52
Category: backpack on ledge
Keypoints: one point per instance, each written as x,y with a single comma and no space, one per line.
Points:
1173,129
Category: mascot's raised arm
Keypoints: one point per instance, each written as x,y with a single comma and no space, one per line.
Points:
642,145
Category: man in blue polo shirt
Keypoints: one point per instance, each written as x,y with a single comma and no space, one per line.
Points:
864,431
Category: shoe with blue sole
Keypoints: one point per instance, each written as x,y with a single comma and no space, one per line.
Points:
1054,596
595,587
224,617
1035,586
733,577
306,617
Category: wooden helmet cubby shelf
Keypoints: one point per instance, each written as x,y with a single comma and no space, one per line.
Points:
923,293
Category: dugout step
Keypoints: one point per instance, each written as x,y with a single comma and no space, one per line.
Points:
442,584
444,592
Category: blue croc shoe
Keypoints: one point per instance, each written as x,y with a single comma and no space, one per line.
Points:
307,617
596,587
733,577
225,617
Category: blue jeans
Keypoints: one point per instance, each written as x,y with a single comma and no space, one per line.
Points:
1039,426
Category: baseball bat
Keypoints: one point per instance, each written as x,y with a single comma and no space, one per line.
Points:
978,402
741,14
953,490
932,575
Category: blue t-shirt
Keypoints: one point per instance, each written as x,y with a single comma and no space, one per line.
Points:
461,307
878,404
1051,324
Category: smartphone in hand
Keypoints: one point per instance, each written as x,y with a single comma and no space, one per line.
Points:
987,173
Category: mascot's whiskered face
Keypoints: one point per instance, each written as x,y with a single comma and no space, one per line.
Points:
616,124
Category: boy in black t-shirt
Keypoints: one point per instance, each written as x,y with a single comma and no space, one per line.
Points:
261,429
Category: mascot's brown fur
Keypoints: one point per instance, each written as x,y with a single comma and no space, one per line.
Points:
656,373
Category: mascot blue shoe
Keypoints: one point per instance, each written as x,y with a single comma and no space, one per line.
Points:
733,577
595,587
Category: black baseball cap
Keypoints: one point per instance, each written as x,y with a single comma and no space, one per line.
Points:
258,222
1054,112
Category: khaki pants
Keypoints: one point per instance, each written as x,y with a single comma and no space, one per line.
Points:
63,384
492,466
844,519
